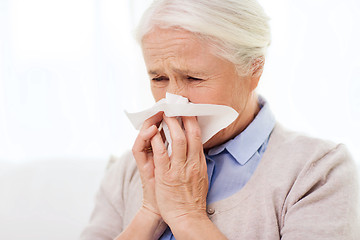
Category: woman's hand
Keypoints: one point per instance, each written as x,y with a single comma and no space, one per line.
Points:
175,187
147,223
181,181
145,162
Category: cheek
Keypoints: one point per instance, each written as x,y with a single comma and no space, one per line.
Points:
232,94
241,94
158,93
215,95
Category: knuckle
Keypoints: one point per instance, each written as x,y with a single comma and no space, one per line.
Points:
141,135
163,153
147,122
179,140
171,177
195,168
192,170
195,133
134,150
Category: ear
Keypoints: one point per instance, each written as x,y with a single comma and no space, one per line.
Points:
257,70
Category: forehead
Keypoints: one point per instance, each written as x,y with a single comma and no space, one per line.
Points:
168,36
177,47
181,43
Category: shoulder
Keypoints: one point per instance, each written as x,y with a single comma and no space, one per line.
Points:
283,139
298,150
296,158
124,163
122,185
112,209
120,173
319,180
300,165
121,170
306,155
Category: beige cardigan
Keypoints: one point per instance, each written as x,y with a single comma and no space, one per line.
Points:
303,188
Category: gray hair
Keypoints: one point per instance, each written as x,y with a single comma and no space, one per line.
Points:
238,29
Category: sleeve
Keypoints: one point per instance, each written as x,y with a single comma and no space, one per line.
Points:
324,200
106,220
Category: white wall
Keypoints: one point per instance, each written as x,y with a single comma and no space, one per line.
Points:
68,69
312,76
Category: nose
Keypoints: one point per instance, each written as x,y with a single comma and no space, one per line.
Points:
177,87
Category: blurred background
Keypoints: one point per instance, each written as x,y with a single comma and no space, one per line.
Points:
69,68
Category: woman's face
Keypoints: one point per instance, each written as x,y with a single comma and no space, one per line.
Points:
180,63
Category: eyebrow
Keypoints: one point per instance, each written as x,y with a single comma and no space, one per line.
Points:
153,72
179,71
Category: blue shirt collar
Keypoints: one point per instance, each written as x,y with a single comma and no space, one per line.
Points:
247,143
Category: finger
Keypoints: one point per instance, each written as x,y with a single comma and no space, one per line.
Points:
161,156
153,120
146,133
195,154
142,142
178,138
193,138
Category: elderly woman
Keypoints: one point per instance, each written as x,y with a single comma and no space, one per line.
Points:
253,179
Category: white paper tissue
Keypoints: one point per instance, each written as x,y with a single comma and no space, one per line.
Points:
212,118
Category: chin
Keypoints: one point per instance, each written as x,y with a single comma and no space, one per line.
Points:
219,138
213,141
206,145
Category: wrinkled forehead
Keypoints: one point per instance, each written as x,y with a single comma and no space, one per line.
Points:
159,34
163,38
178,40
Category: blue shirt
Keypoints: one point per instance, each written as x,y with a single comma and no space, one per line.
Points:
231,164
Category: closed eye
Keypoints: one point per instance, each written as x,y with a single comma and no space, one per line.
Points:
158,79
194,78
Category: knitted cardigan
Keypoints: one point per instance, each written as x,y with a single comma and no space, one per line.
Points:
303,188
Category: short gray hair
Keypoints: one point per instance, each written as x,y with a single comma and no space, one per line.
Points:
239,29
